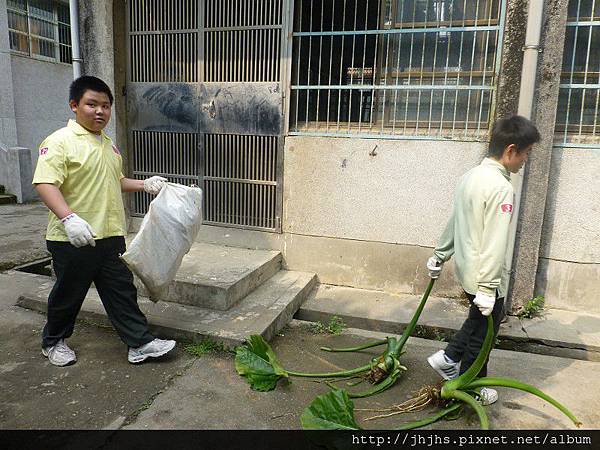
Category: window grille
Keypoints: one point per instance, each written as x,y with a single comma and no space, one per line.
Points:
395,68
577,113
40,29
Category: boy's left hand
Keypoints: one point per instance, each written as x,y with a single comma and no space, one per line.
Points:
485,303
154,184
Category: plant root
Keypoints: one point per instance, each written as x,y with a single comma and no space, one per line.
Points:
427,395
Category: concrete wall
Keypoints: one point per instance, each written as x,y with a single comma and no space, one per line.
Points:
377,206
41,93
8,127
569,272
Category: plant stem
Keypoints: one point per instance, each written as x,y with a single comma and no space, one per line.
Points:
463,396
415,318
515,384
382,386
355,349
477,365
430,419
344,373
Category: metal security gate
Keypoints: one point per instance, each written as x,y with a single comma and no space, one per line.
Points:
205,103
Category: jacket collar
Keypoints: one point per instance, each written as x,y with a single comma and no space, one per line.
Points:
490,162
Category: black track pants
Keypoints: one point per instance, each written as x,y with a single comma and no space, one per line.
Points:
76,269
467,342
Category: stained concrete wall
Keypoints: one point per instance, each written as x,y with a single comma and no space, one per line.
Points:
367,212
41,93
569,272
8,126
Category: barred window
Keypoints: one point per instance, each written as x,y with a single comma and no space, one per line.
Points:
577,112
40,28
395,68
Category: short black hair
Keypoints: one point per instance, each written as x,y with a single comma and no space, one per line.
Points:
515,130
85,83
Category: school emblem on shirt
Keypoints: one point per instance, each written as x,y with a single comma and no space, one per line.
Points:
507,208
116,150
43,151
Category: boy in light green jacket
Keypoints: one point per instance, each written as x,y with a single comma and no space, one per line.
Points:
477,236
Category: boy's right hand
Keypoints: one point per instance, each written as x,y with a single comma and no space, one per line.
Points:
78,231
434,266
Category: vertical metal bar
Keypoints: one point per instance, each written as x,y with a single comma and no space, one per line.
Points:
386,71
351,91
397,67
341,66
308,69
585,75
319,65
409,81
450,19
462,36
471,71
572,71
422,69
484,70
362,72
440,14
330,61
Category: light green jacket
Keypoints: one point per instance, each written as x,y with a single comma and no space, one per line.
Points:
477,232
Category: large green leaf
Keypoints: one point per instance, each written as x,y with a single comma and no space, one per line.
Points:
331,411
257,362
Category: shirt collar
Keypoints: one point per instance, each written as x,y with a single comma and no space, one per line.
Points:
79,130
493,163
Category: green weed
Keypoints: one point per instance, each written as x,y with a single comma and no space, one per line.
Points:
532,308
334,326
204,347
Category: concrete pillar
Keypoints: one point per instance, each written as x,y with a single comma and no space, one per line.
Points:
96,42
8,124
102,29
535,184
509,82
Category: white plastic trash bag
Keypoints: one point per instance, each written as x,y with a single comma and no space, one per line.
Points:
166,235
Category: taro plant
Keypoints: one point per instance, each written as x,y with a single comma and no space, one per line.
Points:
257,362
335,406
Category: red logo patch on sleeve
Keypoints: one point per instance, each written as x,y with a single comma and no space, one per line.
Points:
43,151
116,150
507,207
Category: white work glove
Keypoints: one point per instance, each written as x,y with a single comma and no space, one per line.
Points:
78,231
154,184
485,303
434,266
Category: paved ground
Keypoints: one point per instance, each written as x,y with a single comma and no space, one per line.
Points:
184,392
22,230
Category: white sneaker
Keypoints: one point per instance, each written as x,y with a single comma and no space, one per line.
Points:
60,354
443,365
487,396
153,349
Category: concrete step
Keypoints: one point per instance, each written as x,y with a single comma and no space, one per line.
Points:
264,311
217,277
7,199
557,332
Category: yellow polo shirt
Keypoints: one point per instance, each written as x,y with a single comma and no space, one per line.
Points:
87,168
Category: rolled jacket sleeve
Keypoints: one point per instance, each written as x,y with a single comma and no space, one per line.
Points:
445,247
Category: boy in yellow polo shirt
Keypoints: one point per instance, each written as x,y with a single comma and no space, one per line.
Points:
79,178
477,236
